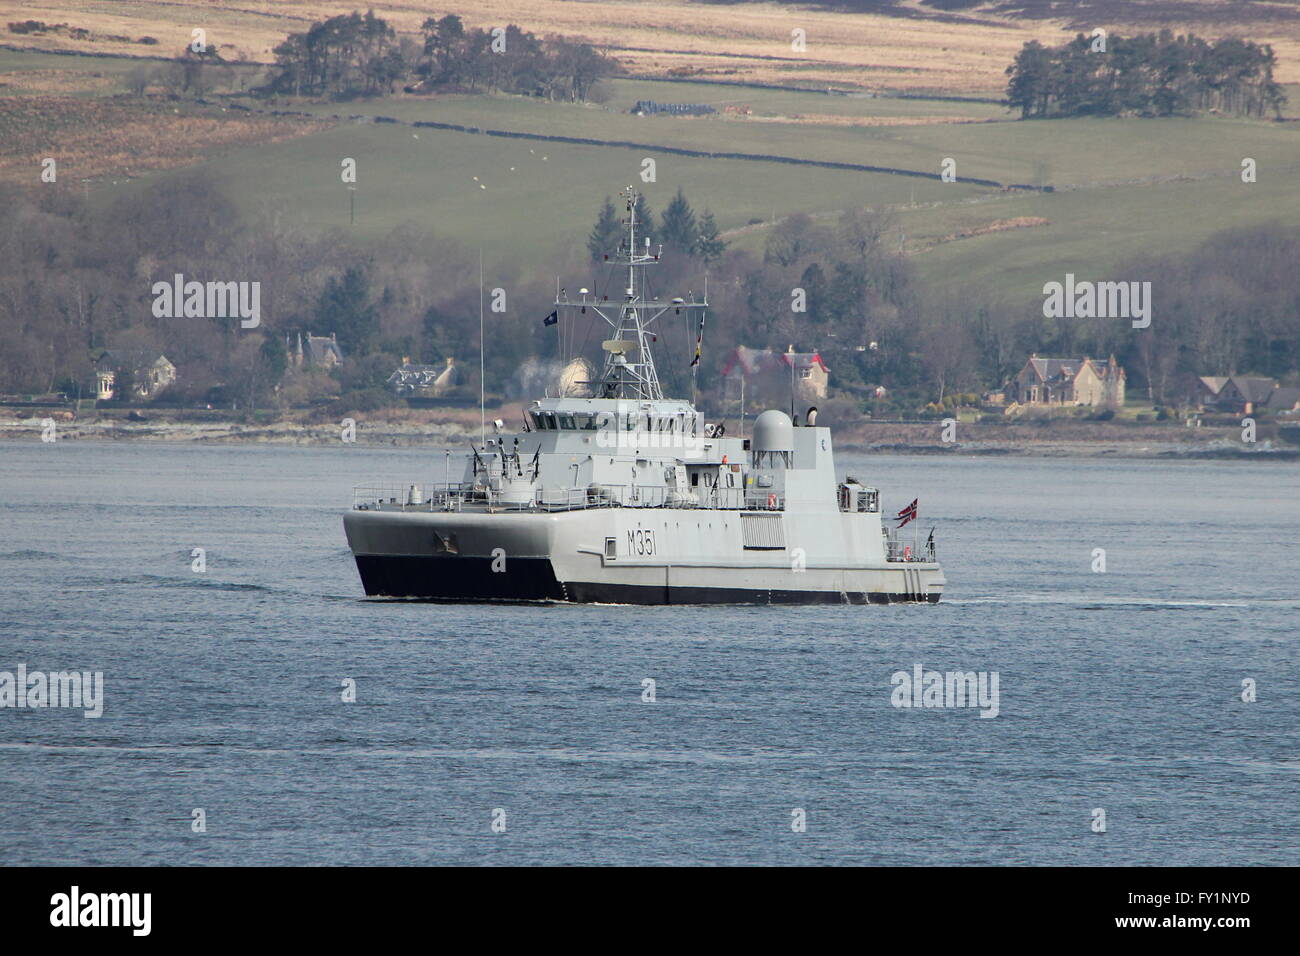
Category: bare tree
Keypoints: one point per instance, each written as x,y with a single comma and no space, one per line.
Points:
137,81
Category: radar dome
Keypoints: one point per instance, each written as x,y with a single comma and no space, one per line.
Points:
773,431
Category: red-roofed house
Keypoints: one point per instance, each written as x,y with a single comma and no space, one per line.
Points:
766,370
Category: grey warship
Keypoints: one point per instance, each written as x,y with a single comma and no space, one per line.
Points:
628,497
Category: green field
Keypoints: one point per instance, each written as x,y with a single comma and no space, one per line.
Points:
625,93
534,195
22,60
1114,197
1123,188
27,72
1094,233
1060,152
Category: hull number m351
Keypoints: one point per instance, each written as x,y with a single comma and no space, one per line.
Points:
640,542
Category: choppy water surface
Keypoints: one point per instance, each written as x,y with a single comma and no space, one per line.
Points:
1119,690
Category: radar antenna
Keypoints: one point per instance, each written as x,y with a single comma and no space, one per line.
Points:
629,370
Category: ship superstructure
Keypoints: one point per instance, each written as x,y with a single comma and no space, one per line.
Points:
631,497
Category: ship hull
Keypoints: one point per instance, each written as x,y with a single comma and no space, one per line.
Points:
471,580
536,558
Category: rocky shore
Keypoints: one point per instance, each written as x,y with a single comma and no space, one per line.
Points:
1050,440
227,432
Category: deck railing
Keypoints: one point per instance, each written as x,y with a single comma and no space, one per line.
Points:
897,548
456,496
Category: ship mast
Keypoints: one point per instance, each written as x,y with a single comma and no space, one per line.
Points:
629,370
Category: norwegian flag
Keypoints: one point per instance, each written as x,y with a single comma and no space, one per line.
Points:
908,513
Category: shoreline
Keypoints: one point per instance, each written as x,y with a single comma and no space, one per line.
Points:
911,439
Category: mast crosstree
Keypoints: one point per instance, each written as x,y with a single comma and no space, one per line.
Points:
629,370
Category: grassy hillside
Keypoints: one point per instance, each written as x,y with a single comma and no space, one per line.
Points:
529,197
1123,188
1092,233
983,139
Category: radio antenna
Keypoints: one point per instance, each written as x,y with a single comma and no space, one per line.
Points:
482,345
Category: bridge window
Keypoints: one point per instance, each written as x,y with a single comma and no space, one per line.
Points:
566,421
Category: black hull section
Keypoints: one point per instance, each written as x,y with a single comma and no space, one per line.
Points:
458,579
592,593
468,580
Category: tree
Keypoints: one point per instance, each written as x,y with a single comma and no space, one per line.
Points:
137,81
945,348
709,247
345,310
254,370
842,299
1029,86
345,55
1151,74
124,384
355,54
605,234
439,337
862,232
793,238
193,78
275,358
575,67
441,38
679,230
